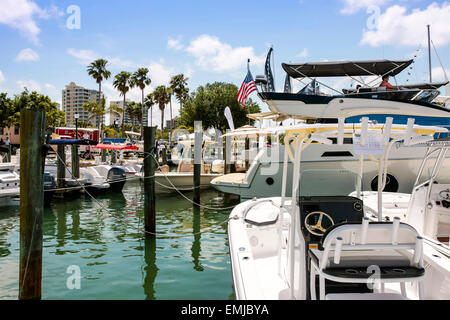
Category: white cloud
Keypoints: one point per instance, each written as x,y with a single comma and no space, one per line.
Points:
31,85
174,44
398,27
438,74
85,57
2,77
214,55
354,6
303,54
27,55
21,14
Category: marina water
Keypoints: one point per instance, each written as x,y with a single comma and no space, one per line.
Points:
114,259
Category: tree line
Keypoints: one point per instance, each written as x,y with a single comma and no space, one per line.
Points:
123,82
207,103
10,108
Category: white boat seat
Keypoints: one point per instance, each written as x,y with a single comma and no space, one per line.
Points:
349,251
360,259
364,296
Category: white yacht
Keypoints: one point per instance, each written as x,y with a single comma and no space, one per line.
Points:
9,184
263,178
322,243
167,181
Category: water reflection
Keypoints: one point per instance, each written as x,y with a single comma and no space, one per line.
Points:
150,269
196,247
116,260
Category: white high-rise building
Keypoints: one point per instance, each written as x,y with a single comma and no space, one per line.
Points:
73,98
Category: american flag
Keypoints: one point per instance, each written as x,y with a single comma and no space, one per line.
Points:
247,87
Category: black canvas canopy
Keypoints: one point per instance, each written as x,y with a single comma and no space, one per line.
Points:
346,68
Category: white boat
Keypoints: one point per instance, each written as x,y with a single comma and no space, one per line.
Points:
95,181
9,185
321,243
170,182
264,176
114,176
263,179
183,179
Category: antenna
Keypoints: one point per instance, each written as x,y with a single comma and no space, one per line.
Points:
429,52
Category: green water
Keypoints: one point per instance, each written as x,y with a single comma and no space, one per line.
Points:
116,261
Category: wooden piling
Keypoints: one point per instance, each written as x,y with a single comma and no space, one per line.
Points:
246,152
103,155
75,162
164,156
32,133
149,180
227,155
197,161
61,166
8,156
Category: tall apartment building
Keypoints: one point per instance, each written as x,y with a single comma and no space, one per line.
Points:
115,116
73,98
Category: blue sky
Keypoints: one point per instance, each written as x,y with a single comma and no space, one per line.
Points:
209,40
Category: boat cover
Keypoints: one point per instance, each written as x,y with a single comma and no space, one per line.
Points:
84,142
115,147
346,68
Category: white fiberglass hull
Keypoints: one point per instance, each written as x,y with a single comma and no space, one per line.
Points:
170,182
403,167
259,254
9,197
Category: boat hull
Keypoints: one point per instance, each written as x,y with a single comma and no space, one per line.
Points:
172,181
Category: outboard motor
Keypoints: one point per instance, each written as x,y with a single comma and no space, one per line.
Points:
49,187
116,178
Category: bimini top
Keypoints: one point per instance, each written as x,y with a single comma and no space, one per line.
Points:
346,68
83,142
116,146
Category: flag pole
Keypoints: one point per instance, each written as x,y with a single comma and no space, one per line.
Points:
248,69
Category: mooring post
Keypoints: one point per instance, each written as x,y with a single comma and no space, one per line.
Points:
32,133
103,155
9,153
75,162
61,166
247,152
149,179
197,161
113,157
164,156
227,155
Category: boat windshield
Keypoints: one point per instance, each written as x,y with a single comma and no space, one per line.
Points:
329,182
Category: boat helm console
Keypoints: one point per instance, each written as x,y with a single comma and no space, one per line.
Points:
318,214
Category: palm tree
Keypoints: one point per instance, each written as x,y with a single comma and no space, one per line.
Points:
178,84
95,109
130,111
98,71
141,80
161,96
149,103
122,83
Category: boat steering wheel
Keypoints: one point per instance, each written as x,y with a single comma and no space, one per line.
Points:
318,226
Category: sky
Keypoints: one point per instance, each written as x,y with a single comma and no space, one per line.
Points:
46,44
